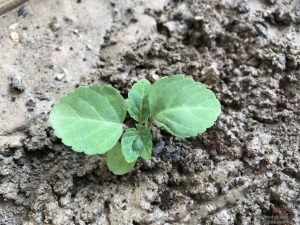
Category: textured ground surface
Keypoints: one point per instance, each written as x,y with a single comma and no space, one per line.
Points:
244,170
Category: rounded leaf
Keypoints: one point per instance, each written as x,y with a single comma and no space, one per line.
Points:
89,119
116,162
137,103
136,142
182,106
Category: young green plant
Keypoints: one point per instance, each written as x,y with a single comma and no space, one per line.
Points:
90,119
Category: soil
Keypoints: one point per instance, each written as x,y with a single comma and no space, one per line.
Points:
244,170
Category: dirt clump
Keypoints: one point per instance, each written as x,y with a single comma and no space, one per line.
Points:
243,170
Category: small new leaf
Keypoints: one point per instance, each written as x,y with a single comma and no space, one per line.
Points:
89,119
182,106
136,142
137,103
116,162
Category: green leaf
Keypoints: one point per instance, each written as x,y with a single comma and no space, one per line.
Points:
182,106
136,142
116,162
137,103
89,119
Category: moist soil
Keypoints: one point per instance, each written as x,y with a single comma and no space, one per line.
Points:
243,170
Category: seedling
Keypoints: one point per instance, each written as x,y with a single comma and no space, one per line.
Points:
90,119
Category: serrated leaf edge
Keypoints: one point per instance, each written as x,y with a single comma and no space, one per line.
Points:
57,134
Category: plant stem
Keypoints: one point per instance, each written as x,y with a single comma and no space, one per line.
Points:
146,123
150,122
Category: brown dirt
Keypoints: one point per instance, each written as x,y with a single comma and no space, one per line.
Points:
243,170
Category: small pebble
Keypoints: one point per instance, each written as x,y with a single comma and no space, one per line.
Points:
269,174
54,25
15,37
16,83
22,11
243,6
13,26
280,61
75,31
171,25
59,76
261,30
15,144
89,47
